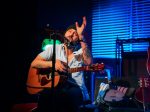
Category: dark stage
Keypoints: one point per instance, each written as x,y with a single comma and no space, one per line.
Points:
23,30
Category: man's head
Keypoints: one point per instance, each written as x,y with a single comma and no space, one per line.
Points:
71,33
71,27
71,36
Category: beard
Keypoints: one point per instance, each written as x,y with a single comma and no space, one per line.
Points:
71,45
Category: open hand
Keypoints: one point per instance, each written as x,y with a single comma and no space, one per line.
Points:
80,29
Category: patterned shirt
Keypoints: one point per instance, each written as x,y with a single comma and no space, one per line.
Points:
76,61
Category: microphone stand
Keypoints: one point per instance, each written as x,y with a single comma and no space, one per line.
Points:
53,68
68,46
67,60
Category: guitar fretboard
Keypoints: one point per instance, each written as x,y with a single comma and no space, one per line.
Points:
86,68
71,70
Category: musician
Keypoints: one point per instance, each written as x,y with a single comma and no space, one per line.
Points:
72,53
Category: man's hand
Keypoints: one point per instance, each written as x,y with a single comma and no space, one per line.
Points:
80,29
60,66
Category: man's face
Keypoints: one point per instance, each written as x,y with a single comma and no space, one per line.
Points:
72,35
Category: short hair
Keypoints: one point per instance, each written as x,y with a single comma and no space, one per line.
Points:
71,27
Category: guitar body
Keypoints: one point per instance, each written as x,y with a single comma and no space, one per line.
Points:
142,95
37,82
39,79
148,61
143,92
113,95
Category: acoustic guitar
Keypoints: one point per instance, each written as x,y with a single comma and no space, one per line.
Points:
113,95
148,61
38,79
143,92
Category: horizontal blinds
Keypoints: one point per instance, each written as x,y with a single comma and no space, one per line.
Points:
122,19
140,23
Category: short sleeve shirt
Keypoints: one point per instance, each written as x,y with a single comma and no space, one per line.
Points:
76,61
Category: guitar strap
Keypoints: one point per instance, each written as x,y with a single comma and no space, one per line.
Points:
148,61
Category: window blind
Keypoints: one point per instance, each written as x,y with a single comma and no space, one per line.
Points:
122,19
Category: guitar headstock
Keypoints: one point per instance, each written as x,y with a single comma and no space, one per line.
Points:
97,66
144,82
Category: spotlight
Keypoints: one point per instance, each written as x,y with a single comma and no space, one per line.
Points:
48,42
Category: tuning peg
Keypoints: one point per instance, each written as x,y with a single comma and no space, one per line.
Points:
96,64
140,83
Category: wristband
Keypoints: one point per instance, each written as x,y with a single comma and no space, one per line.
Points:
82,40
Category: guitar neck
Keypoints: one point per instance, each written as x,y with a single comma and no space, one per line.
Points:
84,68
72,70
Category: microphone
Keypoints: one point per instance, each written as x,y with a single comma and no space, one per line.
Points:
70,44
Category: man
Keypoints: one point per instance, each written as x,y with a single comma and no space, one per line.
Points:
73,53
